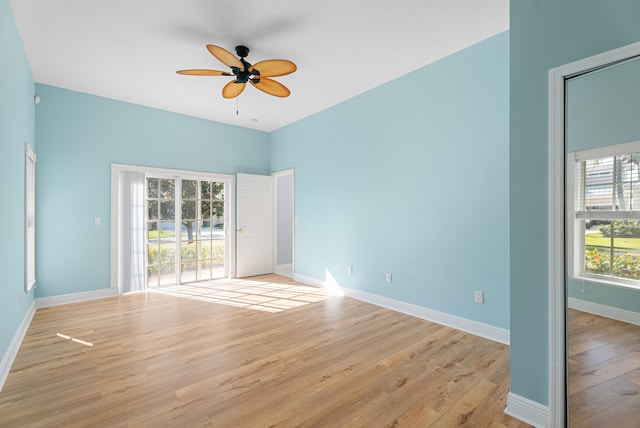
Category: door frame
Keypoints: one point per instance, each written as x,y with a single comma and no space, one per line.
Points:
275,175
558,399
229,217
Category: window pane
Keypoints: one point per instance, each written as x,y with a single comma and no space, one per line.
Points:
152,232
205,250
597,261
167,189
188,251
626,265
153,210
217,190
189,210
167,230
217,249
598,197
167,210
626,243
205,270
598,184
634,196
599,172
205,189
217,208
188,189
597,242
188,272
152,187
205,210
168,274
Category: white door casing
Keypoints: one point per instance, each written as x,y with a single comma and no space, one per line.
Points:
255,225
556,215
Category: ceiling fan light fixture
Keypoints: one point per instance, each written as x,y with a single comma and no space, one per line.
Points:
259,74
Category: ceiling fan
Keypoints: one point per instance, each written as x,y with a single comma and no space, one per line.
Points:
258,74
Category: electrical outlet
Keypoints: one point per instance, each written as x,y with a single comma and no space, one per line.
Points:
389,278
478,296
350,270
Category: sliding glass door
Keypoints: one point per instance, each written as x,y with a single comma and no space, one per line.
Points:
185,230
202,244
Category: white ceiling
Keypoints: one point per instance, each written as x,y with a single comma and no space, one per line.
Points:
129,50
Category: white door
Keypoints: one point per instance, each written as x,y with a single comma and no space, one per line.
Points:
255,225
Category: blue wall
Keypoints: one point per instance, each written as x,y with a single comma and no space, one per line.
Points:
16,127
544,34
79,137
603,107
411,178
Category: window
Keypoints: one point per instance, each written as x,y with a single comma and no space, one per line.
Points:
604,219
30,218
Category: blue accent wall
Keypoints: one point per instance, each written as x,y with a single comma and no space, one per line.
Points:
411,178
16,128
544,34
79,137
603,107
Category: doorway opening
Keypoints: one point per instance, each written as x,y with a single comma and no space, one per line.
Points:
185,230
558,77
284,195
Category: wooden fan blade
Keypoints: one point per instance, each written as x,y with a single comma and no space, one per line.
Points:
225,57
233,89
274,67
203,72
271,87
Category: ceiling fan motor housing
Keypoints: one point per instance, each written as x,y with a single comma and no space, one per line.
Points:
242,51
243,75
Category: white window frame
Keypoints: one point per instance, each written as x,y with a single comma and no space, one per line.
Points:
575,224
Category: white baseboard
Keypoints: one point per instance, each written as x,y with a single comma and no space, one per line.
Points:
604,311
496,334
476,328
309,280
63,299
528,411
14,346
284,270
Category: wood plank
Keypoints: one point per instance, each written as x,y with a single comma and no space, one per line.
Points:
604,371
164,360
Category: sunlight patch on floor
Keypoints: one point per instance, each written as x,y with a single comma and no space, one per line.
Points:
268,295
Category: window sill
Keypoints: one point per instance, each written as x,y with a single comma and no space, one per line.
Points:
611,282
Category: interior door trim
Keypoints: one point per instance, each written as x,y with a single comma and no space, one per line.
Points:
556,216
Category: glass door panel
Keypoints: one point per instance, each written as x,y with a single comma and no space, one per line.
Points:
161,232
203,230
189,245
213,212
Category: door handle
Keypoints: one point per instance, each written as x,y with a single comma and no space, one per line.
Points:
240,230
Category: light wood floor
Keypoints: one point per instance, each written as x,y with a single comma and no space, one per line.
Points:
604,372
154,360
